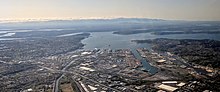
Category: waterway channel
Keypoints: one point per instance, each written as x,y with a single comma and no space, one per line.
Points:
108,40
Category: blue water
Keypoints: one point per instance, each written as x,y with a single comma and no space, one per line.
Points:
115,41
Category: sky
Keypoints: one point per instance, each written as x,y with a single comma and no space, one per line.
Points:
83,9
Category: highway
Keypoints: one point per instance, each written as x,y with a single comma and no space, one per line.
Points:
56,84
63,71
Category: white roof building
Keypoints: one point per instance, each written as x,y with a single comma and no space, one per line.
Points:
181,84
167,87
169,82
86,68
161,61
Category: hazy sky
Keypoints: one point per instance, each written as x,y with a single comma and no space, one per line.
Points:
163,9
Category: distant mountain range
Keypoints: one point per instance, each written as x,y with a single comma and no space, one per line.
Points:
117,24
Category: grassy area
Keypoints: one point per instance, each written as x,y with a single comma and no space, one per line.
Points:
66,88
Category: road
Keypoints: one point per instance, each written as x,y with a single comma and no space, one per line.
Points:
93,81
63,71
56,84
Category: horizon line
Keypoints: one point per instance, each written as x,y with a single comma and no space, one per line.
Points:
10,20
